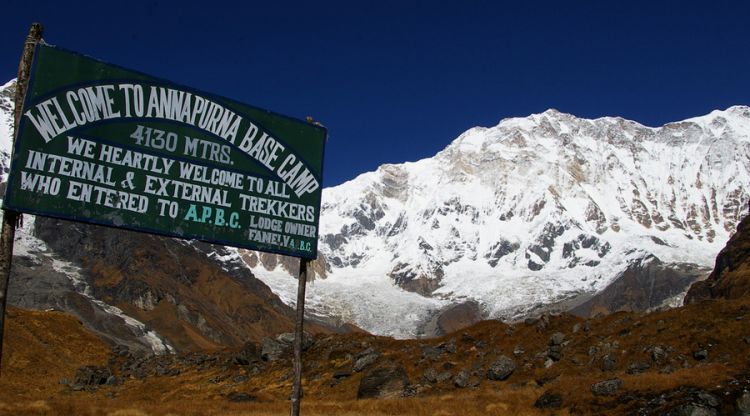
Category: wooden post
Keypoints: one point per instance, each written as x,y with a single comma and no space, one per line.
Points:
297,383
10,218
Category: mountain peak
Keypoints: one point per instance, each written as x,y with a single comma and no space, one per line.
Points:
530,212
553,112
8,84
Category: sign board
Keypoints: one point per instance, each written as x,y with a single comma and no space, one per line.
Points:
102,144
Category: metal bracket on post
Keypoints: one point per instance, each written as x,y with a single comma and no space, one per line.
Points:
11,218
298,332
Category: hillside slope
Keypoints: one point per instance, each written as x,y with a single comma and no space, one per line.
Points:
730,278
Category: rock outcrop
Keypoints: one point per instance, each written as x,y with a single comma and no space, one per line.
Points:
730,278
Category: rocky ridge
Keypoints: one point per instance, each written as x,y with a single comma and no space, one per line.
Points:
730,278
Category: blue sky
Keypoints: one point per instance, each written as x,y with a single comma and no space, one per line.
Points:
397,81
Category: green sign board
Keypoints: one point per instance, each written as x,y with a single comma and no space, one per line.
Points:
101,144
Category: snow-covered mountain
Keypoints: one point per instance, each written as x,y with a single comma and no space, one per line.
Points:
532,211
7,93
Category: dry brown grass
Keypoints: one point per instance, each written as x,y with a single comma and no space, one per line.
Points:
44,347
511,402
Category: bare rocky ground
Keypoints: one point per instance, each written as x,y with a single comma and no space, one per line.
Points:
685,361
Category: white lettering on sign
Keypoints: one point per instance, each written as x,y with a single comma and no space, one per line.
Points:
78,107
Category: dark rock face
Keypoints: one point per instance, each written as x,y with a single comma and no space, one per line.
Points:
188,292
416,280
586,242
501,369
287,338
383,382
37,284
499,250
606,387
365,361
366,215
274,348
544,245
646,284
319,268
458,317
92,377
730,278
451,319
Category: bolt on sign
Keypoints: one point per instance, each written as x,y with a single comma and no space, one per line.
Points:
101,144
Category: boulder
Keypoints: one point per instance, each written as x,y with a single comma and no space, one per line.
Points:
549,400
287,338
556,339
365,361
272,349
449,347
501,369
743,404
658,353
383,382
430,375
445,375
554,352
462,379
638,367
692,409
708,399
606,387
250,353
609,363
431,353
